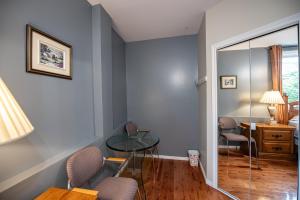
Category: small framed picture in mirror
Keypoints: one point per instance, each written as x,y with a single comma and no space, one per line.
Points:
228,82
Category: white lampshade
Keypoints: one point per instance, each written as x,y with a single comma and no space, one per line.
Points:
13,122
272,97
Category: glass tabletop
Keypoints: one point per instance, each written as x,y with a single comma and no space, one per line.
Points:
139,142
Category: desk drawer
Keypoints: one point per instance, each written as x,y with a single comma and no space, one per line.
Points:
269,147
277,135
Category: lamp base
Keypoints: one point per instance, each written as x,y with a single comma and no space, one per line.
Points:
273,122
272,112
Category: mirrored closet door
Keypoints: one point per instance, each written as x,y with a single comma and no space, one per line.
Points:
258,104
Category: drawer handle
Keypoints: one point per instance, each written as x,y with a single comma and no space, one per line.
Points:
276,136
277,148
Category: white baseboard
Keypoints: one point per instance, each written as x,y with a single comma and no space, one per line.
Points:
168,157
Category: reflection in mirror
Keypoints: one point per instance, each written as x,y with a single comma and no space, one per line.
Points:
258,137
233,108
274,67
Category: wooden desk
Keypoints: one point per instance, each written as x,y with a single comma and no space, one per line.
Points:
63,194
274,141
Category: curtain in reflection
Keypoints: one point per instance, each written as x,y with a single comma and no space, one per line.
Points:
276,63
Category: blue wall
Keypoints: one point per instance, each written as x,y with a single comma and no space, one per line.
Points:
60,110
109,75
118,81
161,93
202,89
236,102
65,113
106,66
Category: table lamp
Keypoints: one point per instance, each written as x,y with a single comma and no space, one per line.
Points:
273,98
13,122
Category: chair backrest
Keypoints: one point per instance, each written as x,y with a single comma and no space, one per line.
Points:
131,128
83,165
227,123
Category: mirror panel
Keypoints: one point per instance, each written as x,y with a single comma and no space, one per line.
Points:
233,108
274,66
258,137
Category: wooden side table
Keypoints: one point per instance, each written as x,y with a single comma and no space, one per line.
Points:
273,141
63,194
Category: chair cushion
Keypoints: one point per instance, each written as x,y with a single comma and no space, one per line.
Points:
117,188
83,165
235,137
227,123
131,128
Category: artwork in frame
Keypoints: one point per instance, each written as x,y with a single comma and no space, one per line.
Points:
228,82
47,55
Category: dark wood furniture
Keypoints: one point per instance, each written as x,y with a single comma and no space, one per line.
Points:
293,110
273,141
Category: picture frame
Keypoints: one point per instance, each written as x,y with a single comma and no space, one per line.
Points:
228,82
47,55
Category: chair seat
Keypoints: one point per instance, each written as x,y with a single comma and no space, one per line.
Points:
235,137
117,188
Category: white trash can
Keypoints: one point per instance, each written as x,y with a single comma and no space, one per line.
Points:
193,157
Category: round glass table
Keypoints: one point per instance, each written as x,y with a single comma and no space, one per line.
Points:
141,142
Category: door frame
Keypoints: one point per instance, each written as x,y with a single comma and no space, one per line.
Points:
212,106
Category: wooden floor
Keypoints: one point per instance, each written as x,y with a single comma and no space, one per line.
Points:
176,180
273,180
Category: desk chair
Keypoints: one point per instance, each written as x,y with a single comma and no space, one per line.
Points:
228,128
85,163
133,130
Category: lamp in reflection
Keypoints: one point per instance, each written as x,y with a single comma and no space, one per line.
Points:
13,122
273,98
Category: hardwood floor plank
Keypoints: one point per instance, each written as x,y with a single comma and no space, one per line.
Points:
176,180
274,180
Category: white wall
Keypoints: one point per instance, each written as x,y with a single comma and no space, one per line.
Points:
228,19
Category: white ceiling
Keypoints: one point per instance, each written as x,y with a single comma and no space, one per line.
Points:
286,37
137,20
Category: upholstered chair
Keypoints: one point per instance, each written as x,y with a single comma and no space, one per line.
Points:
229,129
133,130
85,163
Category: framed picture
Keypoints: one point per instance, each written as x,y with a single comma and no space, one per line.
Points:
47,55
228,82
